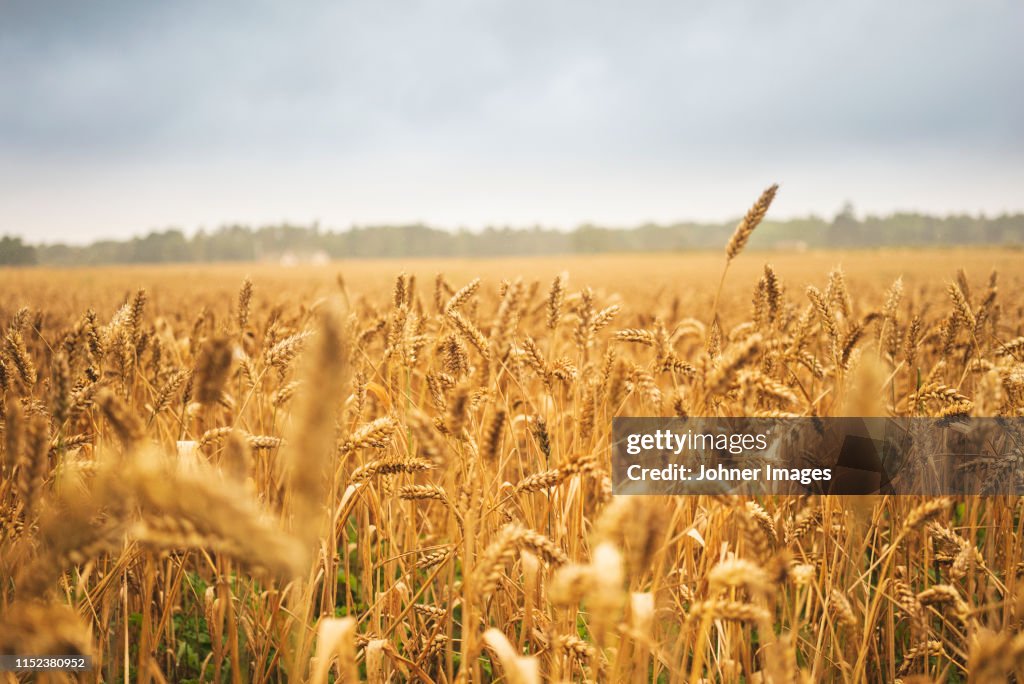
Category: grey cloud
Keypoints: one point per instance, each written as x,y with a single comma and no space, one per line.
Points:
527,85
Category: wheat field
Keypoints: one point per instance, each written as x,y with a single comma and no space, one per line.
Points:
249,473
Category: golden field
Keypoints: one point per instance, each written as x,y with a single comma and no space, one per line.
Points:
395,472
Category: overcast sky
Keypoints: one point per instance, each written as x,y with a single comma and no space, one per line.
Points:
121,117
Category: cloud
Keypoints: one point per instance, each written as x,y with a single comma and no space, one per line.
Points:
260,97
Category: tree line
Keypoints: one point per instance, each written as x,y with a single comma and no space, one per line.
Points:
243,243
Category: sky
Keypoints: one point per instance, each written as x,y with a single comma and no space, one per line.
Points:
121,117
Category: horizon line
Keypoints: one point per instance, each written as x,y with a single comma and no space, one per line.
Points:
192,232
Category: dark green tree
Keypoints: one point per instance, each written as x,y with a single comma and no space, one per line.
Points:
13,252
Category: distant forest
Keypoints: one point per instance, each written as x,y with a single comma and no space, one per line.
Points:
266,243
